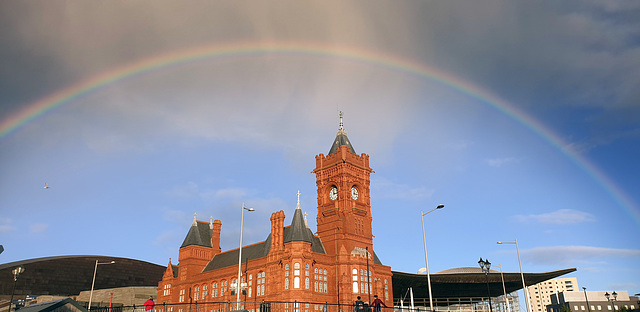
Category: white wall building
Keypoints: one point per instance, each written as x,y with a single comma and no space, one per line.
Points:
540,294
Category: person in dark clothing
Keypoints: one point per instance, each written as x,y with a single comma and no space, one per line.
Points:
358,306
377,304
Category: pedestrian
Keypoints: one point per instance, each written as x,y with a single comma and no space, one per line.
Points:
149,304
377,304
358,306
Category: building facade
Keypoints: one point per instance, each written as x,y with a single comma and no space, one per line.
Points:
540,294
292,264
593,301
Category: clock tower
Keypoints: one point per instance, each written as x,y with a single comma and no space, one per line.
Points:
344,202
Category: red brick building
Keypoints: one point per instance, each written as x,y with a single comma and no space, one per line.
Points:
293,264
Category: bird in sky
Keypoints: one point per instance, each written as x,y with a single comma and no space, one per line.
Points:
46,186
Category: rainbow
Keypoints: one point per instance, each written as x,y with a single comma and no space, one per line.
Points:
42,106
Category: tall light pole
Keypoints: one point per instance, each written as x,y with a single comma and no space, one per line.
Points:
504,289
524,286
238,288
95,269
15,273
586,299
426,259
486,266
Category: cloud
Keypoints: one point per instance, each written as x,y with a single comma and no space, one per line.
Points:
558,217
498,162
38,228
6,225
384,188
572,255
189,190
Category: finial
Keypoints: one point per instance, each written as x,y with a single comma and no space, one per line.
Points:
341,129
298,205
194,219
305,220
211,222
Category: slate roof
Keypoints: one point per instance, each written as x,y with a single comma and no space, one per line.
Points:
296,232
60,305
199,235
341,140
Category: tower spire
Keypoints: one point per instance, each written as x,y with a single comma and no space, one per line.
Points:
341,138
298,205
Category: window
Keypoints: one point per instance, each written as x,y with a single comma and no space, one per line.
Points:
196,292
306,266
296,282
181,298
167,289
286,283
306,282
355,287
296,265
286,266
204,291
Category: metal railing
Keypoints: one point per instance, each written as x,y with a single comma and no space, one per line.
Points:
250,306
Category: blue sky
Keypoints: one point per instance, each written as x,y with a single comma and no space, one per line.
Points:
130,162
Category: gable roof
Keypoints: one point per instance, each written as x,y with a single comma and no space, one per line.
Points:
298,231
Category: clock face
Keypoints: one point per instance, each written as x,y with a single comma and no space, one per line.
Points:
354,193
333,194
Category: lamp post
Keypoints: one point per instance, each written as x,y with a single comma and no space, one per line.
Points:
15,273
95,269
426,259
615,296
486,266
504,289
524,286
238,288
585,298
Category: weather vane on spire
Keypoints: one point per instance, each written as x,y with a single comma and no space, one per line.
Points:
341,125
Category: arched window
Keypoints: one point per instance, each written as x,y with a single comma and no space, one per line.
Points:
296,265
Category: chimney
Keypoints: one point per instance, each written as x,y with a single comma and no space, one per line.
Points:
215,236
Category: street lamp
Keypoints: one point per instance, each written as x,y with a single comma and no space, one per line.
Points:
240,255
95,269
15,273
585,298
486,266
426,259
504,289
524,286
615,296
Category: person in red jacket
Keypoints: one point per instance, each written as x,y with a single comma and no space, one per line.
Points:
149,304
377,304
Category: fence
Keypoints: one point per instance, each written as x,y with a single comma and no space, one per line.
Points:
250,306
